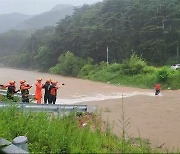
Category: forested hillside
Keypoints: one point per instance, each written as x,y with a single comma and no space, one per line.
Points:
12,42
150,28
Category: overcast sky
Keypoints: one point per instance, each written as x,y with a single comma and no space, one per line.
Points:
36,6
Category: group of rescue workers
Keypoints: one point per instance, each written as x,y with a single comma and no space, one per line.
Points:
49,86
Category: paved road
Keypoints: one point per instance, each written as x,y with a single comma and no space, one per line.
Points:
153,117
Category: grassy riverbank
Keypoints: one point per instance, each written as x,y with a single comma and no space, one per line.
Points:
65,135
131,72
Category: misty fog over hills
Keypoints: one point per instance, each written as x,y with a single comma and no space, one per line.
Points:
17,21
9,21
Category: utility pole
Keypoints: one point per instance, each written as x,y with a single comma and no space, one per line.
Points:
107,55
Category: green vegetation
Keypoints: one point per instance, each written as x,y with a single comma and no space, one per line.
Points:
148,27
68,65
51,135
5,99
132,72
137,33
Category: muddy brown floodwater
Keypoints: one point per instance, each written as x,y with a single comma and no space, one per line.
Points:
154,117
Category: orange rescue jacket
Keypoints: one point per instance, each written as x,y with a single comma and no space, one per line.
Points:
38,92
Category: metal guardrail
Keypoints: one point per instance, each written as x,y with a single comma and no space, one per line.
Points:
18,94
59,108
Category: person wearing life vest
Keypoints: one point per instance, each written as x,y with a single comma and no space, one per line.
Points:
157,89
11,90
38,92
53,92
46,87
25,92
22,82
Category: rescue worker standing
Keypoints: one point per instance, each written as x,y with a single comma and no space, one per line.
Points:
38,92
53,92
21,85
11,90
25,92
46,87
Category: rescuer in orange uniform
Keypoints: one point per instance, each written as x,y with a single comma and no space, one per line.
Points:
25,92
11,89
38,92
22,82
53,92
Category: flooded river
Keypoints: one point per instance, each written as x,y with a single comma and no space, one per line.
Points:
154,117
75,90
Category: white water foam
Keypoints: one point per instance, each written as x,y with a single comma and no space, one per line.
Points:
101,97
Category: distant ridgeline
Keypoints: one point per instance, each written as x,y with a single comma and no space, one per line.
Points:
150,28
18,21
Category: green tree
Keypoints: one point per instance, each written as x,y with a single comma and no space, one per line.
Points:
68,65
